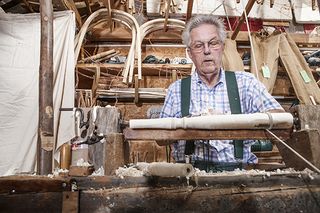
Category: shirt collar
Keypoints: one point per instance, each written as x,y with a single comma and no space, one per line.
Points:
198,80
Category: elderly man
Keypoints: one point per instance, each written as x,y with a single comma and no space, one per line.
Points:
211,90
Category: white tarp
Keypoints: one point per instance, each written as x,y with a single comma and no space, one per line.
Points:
280,11
19,83
303,12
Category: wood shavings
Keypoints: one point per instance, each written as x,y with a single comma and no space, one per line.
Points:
252,172
99,172
81,162
128,171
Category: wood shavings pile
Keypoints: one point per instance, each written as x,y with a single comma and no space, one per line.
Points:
82,162
139,171
253,172
129,171
99,172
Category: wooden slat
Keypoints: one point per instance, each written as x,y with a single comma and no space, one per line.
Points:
24,184
264,154
147,69
276,23
275,159
239,198
189,10
300,39
31,202
192,134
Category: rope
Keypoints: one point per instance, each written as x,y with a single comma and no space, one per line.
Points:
296,153
217,8
225,11
253,55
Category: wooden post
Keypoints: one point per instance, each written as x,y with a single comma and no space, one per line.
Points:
70,202
307,144
167,7
112,153
45,129
174,75
136,89
116,153
308,116
189,10
306,140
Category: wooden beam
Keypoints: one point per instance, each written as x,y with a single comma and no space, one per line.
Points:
101,34
226,195
107,4
32,184
167,7
45,130
189,10
192,134
276,23
306,143
242,18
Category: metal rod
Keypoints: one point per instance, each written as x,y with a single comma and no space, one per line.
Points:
296,153
45,129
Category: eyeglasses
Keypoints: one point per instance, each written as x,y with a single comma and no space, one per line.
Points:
200,46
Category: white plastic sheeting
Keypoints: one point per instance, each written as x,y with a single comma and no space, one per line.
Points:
19,85
280,11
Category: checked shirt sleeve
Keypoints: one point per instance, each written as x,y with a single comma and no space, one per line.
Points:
258,99
171,106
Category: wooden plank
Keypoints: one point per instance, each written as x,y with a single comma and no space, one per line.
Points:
80,170
300,39
116,153
202,199
276,23
307,144
31,202
250,192
24,184
70,202
121,34
273,159
264,154
192,134
217,180
147,68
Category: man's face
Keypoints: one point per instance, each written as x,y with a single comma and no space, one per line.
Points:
206,49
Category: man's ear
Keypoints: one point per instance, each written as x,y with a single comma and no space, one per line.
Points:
188,53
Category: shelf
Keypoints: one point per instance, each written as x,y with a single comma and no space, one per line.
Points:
147,69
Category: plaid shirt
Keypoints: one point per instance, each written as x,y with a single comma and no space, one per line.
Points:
253,98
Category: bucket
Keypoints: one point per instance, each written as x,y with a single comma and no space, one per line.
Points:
79,152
